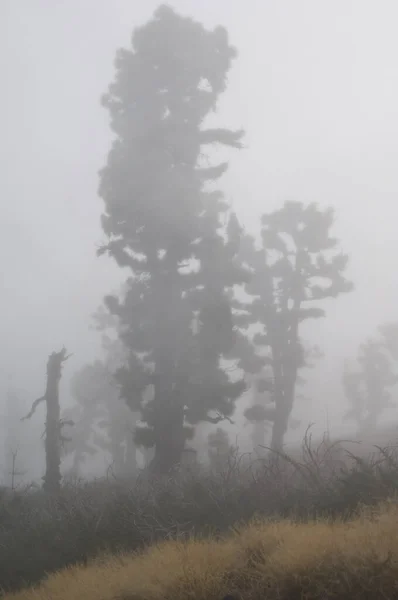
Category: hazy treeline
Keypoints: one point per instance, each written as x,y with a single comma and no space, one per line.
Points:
207,310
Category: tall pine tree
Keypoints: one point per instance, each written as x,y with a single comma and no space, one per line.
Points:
164,221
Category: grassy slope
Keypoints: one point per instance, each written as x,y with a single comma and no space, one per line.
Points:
273,560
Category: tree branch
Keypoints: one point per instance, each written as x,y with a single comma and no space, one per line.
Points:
34,406
218,419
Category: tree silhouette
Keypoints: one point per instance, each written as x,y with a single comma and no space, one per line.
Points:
165,223
102,421
89,387
367,387
53,430
295,267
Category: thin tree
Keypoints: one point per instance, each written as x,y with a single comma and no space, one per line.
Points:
165,224
14,473
11,443
53,425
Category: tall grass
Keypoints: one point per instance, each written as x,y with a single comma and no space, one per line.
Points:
40,534
266,559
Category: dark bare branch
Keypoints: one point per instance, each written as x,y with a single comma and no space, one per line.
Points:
218,419
34,406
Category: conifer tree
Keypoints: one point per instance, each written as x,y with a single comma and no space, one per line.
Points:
164,220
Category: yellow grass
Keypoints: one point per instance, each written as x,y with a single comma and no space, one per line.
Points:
265,560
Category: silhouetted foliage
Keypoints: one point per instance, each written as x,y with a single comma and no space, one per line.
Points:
101,419
84,414
295,267
165,223
367,387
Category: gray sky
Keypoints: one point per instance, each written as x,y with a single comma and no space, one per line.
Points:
316,88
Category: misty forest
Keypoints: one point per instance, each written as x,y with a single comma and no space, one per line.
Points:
207,398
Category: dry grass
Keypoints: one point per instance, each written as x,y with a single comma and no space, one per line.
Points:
274,559
40,535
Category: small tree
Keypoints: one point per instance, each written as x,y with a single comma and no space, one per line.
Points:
53,433
296,266
11,443
117,427
102,419
86,390
165,224
14,472
367,388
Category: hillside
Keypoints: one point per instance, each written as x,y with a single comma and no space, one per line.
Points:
286,559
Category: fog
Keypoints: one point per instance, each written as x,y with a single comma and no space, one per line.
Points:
315,86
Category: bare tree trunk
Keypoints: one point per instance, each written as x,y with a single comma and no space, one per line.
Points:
53,435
